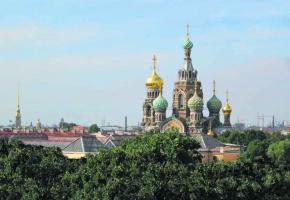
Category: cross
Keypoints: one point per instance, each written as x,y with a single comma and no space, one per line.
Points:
227,94
154,61
187,30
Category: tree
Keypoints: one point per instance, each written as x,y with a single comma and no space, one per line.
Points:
257,150
94,128
32,172
150,166
279,152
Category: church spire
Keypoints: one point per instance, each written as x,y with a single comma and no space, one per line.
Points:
154,59
210,131
187,31
18,114
227,110
187,45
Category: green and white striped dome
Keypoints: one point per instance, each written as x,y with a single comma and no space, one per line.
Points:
195,103
160,104
187,44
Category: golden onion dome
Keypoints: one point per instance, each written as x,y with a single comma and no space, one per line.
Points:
154,81
227,108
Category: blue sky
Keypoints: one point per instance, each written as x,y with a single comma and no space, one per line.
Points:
87,60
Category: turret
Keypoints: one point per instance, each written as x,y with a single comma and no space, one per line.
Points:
195,105
227,110
160,105
214,106
154,85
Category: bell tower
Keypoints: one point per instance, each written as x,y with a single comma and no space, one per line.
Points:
184,86
154,85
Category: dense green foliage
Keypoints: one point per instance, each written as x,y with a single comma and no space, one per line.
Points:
94,128
150,166
32,172
261,146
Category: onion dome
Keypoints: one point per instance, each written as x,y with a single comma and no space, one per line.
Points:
214,105
154,81
227,108
195,103
160,104
187,44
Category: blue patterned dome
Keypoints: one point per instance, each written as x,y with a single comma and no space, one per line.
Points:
214,105
160,104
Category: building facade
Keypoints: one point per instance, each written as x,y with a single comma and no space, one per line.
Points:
187,101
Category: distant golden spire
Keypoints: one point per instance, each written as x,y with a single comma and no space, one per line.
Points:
195,86
210,131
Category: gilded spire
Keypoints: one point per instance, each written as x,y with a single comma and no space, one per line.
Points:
210,131
18,98
18,114
195,86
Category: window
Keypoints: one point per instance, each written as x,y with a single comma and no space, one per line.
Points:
148,111
180,101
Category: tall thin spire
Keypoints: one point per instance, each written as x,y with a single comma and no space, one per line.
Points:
210,131
154,59
187,30
195,86
227,96
18,98
18,114
213,87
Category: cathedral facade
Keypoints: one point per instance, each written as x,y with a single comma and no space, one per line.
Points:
187,102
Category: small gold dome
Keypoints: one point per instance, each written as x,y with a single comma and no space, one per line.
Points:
227,108
154,81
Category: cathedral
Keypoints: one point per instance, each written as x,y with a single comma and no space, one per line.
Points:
187,102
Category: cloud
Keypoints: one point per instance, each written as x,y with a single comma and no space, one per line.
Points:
35,35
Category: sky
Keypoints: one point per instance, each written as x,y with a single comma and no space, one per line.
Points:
87,60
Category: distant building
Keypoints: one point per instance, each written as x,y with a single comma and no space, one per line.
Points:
187,110
187,107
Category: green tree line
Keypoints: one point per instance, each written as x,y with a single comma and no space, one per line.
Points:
149,166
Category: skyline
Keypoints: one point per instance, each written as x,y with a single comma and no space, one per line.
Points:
85,66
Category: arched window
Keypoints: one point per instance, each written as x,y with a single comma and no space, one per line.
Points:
148,111
180,101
